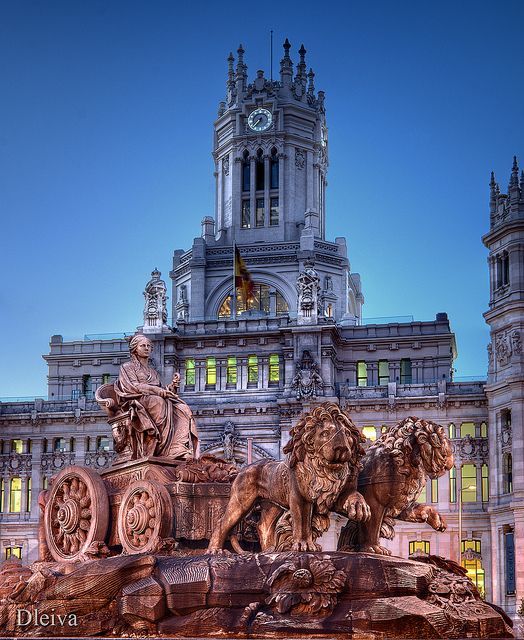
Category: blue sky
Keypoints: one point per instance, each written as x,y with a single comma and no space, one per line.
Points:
106,131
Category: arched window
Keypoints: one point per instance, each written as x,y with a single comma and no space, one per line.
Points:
16,446
483,430
15,495
507,473
274,369
468,479
452,430
190,372
252,370
258,303
467,429
260,171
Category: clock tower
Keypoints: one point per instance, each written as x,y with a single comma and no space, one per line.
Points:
270,151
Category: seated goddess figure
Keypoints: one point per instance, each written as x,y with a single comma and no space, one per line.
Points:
162,423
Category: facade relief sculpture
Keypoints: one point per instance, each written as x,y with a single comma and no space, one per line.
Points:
308,290
155,308
307,382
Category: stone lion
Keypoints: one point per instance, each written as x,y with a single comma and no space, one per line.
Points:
394,473
318,475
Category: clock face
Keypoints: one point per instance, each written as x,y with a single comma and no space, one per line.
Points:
260,119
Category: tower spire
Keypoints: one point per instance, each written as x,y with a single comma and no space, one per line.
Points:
241,70
311,84
286,66
513,188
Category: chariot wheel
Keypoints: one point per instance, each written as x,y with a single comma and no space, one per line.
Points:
76,513
145,517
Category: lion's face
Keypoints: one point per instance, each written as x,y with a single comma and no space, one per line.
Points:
329,441
435,450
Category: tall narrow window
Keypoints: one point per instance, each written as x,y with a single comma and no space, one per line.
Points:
59,445
260,171
405,371
383,371
453,484
273,212
434,489
362,374
190,372
45,482
231,374
246,214
507,473
246,172
15,495
105,378
259,213
211,372
274,369
274,177
86,386
102,443
252,370
452,430
468,482
485,482
28,495
423,497
505,268
2,494
483,430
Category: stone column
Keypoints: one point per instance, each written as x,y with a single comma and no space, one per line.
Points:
36,475
263,369
519,561
23,500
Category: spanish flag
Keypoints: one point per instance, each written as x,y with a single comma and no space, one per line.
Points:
243,280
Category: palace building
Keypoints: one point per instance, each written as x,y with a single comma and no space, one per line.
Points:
288,333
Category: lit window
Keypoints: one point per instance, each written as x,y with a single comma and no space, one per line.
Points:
45,482
2,494
434,489
259,302
102,443
105,378
273,212
418,546
453,484
190,372
362,374
246,214
211,372
274,368
452,430
231,375
252,369
469,483
59,445
13,552
405,371
467,429
483,430
259,212
383,371
15,495
370,433
16,446
422,499
473,564
329,311
28,495
507,473
485,483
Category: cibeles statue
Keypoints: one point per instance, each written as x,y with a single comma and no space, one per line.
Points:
147,418
155,307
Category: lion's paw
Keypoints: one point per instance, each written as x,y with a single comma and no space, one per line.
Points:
357,508
218,551
437,522
375,548
305,545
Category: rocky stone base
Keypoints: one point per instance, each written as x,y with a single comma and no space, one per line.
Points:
266,595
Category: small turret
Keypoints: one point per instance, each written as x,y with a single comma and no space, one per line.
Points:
513,187
241,71
301,68
507,207
286,67
311,83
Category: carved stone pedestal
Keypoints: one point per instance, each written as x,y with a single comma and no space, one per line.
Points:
266,595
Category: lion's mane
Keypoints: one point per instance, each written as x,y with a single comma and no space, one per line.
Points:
412,438
324,483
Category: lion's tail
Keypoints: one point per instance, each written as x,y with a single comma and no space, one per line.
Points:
349,539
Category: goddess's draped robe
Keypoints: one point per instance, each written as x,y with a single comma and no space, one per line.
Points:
164,426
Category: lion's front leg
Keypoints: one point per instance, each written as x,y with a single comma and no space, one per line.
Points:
423,513
301,514
357,508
